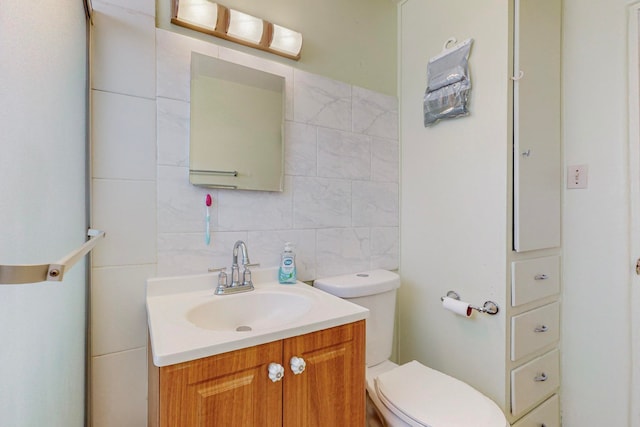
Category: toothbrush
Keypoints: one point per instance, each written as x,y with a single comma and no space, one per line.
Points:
207,219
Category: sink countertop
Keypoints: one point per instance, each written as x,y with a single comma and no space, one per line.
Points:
174,339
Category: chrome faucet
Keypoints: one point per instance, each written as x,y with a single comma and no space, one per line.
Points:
237,284
235,269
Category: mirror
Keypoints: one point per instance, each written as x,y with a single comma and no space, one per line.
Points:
237,122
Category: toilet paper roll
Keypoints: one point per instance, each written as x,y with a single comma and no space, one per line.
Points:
458,307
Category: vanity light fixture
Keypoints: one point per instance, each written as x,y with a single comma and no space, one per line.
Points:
245,27
229,24
202,13
285,40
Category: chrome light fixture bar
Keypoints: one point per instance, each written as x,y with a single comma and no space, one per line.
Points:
212,18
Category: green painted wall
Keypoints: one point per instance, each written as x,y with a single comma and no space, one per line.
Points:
351,41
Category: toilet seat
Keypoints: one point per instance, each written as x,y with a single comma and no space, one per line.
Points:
423,397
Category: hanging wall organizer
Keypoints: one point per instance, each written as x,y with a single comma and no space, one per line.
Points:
448,83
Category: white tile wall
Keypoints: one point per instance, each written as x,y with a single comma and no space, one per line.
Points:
321,101
126,210
374,114
120,122
119,319
321,202
124,204
119,389
300,149
123,50
340,203
343,154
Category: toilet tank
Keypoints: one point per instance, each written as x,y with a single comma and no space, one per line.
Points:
375,290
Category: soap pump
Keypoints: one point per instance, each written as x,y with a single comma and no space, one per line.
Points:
287,271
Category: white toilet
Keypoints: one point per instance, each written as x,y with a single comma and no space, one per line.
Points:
410,394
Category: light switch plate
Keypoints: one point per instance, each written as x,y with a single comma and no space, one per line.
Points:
577,176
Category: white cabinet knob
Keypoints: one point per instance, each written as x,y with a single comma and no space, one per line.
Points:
297,365
276,372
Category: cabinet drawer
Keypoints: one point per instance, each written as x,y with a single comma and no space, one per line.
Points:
545,415
534,279
533,381
534,330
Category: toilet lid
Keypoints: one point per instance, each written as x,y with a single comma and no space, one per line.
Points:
422,396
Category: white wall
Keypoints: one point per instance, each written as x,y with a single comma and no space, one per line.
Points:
454,195
595,313
595,335
42,210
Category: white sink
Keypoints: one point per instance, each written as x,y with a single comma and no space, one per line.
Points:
252,311
187,321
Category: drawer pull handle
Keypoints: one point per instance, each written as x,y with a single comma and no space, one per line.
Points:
542,328
541,378
541,277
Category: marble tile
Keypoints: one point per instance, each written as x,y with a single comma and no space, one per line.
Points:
123,58
385,160
300,149
119,389
265,247
338,174
187,253
375,204
126,211
343,154
119,293
321,101
123,124
173,132
174,63
342,251
321,202
255,210
385,243
374,113
181,206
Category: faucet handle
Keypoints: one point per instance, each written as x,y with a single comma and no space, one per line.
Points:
222,282
246,276
216,269
222,278
255,264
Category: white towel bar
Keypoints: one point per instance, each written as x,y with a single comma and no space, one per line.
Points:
54,272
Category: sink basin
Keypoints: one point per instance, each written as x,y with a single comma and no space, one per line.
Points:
250,311
187,321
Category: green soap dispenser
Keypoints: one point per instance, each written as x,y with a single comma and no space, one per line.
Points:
287,271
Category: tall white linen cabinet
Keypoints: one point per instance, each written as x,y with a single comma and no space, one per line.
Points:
481,202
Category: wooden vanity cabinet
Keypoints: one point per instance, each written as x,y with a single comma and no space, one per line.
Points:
331,390
234,389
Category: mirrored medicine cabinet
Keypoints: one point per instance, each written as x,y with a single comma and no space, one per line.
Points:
237,122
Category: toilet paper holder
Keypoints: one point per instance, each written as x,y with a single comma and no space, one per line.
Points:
489,307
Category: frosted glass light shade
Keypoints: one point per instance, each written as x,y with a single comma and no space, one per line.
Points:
286,41
245,27
201,13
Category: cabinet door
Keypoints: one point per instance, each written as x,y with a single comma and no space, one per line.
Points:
537,168
230,389
331,390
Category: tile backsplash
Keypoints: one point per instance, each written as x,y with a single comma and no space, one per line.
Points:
340,200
